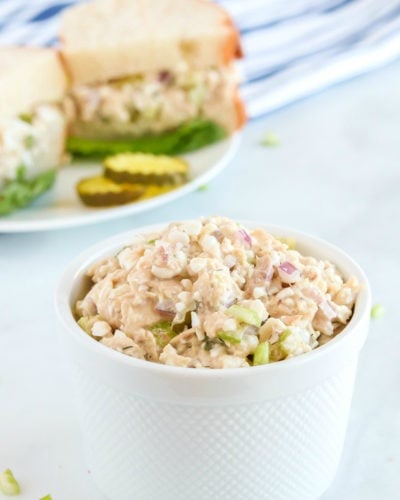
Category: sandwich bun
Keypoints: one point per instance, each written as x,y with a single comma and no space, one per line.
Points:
29,76
110,39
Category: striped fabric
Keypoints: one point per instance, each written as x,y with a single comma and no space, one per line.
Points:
293,47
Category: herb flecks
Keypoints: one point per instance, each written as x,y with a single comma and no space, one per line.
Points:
208,343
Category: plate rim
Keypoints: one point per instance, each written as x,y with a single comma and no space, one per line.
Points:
18,226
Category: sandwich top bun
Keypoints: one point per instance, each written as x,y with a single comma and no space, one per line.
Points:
29,76
110,39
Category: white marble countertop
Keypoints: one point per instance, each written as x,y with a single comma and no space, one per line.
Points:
336,174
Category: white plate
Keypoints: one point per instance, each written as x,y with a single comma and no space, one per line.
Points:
61,207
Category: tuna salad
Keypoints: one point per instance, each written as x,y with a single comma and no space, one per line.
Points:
209,293
34,141
151,102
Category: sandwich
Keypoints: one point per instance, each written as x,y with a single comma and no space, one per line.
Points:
153,76
32,123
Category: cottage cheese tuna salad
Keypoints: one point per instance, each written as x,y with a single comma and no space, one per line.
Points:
208,293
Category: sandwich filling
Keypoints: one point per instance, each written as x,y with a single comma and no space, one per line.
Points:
33,142
150,103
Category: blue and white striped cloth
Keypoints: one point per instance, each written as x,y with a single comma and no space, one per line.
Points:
293,47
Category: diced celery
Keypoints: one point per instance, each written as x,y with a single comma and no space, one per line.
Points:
292,342
244,315
162,332
8,483
284,335
284,341
229,337
378,311
26,117
270,139
261,354
197,94
290,242
84,324
276,352
150,112
29,141
251,259
165,326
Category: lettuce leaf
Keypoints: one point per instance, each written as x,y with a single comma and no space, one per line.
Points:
188,137
21,191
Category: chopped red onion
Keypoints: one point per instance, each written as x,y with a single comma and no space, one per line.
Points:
166,309
287,267
245,236
165,77
288,272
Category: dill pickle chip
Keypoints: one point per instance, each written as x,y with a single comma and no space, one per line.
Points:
146,169
101,192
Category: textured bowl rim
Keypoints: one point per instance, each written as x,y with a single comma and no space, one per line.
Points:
73,273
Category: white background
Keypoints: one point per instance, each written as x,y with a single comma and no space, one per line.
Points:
336,174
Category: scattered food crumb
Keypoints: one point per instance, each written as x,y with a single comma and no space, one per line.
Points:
47,497
270,139
8,484
204,187
378,311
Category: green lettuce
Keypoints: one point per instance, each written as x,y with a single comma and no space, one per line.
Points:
21,191
188,137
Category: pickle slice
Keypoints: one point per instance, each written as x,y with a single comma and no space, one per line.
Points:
146,169
101,192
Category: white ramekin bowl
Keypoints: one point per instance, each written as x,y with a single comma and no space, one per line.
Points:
156,432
